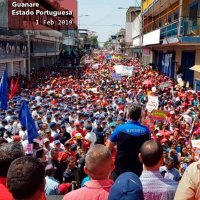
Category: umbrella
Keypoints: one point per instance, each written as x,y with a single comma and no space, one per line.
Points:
165,85
147,82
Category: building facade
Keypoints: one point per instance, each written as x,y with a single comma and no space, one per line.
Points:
171,37
133,31
13,45
70,36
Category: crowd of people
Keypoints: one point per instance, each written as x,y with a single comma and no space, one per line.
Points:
96,137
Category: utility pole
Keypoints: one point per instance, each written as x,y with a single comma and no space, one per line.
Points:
29,56
141,33
180,17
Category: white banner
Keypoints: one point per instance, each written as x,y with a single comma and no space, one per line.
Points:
96,66
124,70
152,103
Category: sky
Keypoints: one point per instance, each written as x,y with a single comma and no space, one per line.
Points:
104,16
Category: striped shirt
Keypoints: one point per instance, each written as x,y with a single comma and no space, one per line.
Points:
155,187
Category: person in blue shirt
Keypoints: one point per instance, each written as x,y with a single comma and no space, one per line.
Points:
129,138
51,187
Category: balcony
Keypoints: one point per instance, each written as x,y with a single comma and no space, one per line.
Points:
189,27
170,30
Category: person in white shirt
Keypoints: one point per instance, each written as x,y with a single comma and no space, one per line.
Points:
155,187
90,136
23,133
54,130
71,127
171,172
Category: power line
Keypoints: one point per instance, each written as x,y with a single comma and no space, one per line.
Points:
101,25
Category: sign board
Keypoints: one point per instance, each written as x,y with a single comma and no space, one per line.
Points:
152,103
195,143
29,149
127,71
124,70
116,77
159,115
96,66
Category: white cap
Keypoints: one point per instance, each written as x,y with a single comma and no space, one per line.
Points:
46,140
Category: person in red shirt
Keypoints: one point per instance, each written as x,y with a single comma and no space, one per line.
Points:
78,130
8,153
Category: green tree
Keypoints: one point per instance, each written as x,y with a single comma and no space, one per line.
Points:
106,44
93,39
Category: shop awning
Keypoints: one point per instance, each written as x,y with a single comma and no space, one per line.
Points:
195,68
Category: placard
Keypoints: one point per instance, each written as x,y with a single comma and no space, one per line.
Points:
152,103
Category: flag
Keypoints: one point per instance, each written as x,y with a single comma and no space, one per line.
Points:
4,90
27,121
11,84
13,88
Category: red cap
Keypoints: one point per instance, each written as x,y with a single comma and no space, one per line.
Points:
77,124
63,188
163,141
16,138
167,134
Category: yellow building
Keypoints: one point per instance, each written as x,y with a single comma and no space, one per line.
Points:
171,37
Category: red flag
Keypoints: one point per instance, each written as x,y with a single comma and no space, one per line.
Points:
11,85
14,89
11,88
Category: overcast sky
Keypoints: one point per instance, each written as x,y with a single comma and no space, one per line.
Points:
104,16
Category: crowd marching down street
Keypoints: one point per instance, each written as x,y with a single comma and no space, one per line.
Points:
113,129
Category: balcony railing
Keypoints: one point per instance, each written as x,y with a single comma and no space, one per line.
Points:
189,27
170,30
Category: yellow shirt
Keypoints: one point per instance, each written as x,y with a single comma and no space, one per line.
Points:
189,186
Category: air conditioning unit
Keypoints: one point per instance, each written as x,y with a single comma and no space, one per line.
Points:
187,27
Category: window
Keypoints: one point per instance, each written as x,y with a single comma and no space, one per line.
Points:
3,13
176,15
193,13
169,19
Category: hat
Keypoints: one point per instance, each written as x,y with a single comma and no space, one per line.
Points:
47,131
172,113
89,128
52,124
36,141
162,170
127,187
112,124
63,188
49,167
73,147
46,140
163,141
56,142
98,123
16,138
77,124
48,117
159,134
78,136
